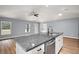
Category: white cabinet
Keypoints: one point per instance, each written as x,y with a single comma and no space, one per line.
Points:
19,49
37,50
58,43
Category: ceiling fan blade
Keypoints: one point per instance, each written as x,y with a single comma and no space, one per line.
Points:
33,13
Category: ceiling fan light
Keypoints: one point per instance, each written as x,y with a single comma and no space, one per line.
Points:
36,15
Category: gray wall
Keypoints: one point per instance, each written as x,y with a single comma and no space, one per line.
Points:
0,28
78,28
70,27
18,26
39,27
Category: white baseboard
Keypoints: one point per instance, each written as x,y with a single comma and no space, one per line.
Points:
71,37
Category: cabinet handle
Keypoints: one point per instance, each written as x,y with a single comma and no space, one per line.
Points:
39,49
43,52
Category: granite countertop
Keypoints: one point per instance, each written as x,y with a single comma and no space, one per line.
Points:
32,41
6,37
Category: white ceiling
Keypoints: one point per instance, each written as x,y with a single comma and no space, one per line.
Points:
45,13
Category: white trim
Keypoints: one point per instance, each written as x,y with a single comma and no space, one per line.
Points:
71,37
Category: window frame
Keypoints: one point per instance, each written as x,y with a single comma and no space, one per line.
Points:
10,28
27,28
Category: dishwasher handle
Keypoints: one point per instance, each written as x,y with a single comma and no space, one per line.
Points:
50,42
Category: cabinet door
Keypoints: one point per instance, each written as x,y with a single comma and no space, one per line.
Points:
19,49
57,46
61,41
58,43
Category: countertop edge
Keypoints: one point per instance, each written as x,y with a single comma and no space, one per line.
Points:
12,37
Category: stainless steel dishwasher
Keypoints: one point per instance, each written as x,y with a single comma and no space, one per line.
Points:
50,47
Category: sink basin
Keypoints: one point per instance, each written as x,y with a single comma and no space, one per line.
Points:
54,34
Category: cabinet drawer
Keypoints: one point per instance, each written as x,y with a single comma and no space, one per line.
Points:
37,50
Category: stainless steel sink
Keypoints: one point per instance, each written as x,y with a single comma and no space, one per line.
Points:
53,34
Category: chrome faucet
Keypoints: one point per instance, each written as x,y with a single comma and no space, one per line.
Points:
50,31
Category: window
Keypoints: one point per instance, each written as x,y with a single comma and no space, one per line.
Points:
27,28
5,27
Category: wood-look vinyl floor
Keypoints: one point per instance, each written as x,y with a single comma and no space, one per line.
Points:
71,46
8,47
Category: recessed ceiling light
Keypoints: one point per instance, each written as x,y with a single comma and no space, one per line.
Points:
60,14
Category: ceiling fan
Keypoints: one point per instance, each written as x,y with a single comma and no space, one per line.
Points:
34,13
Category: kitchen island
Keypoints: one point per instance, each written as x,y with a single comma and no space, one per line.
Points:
28,43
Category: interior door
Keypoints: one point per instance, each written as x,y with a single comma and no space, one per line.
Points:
36,28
